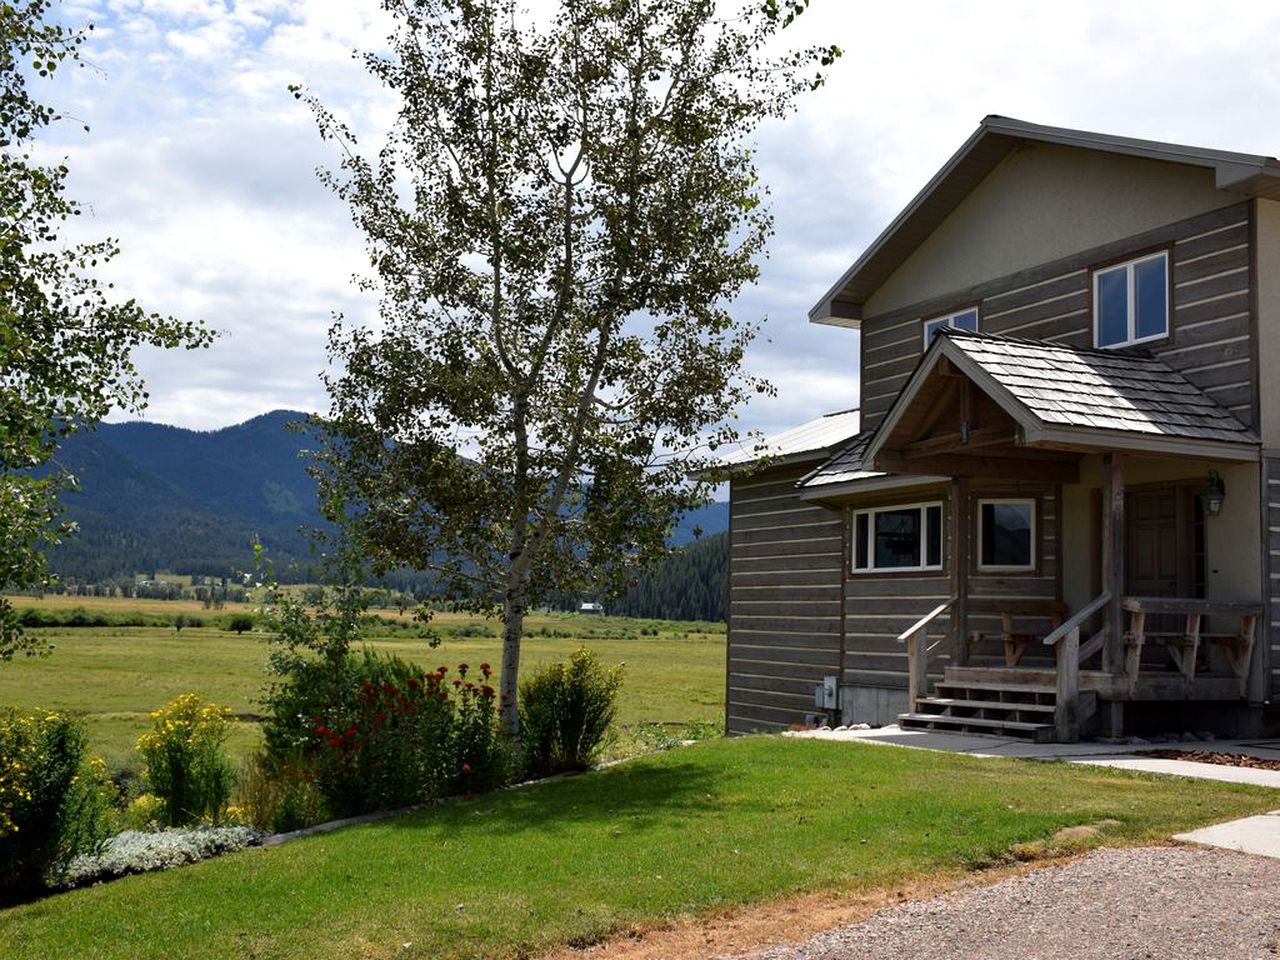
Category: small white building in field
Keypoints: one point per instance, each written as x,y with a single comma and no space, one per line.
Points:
590,607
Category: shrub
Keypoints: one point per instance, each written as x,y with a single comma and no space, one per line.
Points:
53,803
565,711
240,623
382,733
143,812
186,764
278,795
136,851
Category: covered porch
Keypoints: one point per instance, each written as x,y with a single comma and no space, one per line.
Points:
1158,550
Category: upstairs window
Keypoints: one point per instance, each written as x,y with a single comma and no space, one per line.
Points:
1131,301
898,538
1006,534
961,320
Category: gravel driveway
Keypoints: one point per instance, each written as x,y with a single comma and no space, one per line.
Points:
1163,903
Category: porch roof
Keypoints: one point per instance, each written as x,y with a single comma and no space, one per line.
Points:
1089,389
1061,398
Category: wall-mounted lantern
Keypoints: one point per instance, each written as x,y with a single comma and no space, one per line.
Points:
1215,491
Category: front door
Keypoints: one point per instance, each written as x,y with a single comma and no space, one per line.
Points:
1154,563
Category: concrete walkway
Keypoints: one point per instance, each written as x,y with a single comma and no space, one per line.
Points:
1258,835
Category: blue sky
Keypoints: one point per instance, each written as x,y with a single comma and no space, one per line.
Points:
202,165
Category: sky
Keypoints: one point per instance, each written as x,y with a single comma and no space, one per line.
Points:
202,165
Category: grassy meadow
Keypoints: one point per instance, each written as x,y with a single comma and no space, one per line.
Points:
115,675
682,833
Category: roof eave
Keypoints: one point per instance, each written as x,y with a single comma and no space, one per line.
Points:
850,488
1248,449
1252,175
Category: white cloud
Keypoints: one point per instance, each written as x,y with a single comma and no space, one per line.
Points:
202,164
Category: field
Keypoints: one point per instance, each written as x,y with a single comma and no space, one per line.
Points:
115,675
571,861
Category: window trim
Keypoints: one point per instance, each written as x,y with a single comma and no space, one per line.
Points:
947,319
870,512
1131,300
1035,551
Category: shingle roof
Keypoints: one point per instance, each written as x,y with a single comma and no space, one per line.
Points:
815,436
844,466
1100,389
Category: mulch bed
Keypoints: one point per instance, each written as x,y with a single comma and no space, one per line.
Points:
1204,756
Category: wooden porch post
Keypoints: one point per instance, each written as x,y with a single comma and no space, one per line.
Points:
1113,555
960,568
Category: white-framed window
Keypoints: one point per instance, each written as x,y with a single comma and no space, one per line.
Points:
960,320
906,537
1006,534
1131,301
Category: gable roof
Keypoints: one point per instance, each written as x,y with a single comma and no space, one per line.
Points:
1066,396
812,440
1251,175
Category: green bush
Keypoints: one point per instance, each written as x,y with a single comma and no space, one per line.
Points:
186,763
565,712
240,623
380,732
54,804
277,794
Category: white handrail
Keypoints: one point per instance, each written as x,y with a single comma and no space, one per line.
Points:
926,619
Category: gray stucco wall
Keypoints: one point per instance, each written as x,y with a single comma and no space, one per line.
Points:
1044,202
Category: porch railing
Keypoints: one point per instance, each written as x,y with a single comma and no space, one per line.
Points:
916,637
1184,646
1067,654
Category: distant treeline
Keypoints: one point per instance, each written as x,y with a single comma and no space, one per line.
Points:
690,585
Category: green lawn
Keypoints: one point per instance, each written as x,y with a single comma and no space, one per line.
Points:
115,675
680,833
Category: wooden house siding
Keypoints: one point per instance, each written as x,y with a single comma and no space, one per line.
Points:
878,607
784,601
1270,633
1211,322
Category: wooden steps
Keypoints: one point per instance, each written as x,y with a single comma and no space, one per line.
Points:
990,705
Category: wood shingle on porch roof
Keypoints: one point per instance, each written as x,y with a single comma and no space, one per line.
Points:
1053,398
1100,389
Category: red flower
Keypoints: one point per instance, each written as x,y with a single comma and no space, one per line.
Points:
366,687
463,668
487,690
466,768
457,683
322,730
414,683
442,670
484,668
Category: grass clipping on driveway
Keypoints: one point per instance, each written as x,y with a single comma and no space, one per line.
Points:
570,861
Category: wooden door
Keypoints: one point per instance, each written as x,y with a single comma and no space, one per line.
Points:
1154,563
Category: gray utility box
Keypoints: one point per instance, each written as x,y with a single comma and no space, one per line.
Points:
827,696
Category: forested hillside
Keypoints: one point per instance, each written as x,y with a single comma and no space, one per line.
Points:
154,497
690,585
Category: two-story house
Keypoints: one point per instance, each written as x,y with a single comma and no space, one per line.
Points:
1058,509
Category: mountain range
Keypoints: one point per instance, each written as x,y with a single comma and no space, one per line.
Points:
155,497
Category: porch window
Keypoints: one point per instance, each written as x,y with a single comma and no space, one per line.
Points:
960,320
1006,534
908,537
1131,301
